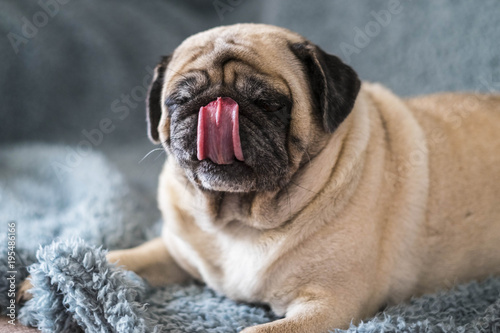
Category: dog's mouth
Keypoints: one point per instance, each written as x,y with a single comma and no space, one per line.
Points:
218,135
219,146
223,150
234,177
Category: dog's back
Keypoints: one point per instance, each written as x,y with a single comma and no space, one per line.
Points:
463,208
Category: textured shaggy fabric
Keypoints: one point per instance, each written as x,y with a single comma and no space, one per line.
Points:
77,290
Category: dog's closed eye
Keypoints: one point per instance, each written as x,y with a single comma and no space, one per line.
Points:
269,106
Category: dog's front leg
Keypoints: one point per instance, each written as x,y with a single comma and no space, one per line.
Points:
314,314
151,261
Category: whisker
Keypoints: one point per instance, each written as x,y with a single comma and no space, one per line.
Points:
308,156
289,203
152,151
187,184
160,154
303,187
176,72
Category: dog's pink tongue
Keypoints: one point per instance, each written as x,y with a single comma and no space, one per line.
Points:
219,132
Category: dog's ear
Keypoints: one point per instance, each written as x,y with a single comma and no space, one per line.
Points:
334,85
153,102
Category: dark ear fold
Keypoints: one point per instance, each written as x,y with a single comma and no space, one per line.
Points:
153,103
334,85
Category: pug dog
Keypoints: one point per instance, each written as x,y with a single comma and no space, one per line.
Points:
291,183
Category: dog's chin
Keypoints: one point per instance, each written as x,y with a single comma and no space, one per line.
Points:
237,177
221,185
234,177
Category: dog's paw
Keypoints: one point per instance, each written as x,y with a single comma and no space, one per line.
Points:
260,329
116,257
23,293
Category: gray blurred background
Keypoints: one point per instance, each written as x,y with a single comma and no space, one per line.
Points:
70,68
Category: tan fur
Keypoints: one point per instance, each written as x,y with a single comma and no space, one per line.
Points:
400,200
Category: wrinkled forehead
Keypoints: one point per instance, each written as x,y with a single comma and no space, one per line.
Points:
227,55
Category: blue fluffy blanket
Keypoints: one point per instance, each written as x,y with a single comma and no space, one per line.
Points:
73,215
